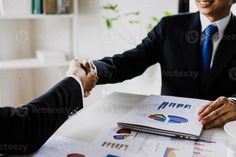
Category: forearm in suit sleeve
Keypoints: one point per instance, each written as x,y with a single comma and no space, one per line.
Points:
26,129
134,62
233,96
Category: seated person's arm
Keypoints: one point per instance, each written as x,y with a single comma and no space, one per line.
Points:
25,129
133,62
217,113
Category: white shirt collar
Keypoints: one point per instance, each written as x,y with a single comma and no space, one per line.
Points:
221,24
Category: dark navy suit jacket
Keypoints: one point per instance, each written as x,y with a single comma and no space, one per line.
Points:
25,129
175,44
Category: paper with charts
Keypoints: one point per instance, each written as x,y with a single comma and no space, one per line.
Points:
166,115
150,145
64,147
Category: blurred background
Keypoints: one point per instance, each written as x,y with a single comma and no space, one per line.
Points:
38,38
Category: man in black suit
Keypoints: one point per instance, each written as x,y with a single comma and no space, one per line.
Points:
197,54
25,129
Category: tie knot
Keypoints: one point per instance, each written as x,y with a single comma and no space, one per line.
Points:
211,30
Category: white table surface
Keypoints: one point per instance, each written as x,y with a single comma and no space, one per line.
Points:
92,121
89,122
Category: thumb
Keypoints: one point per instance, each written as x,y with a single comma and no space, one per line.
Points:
86,65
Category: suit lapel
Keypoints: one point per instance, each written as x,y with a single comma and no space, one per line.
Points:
191,43
224,53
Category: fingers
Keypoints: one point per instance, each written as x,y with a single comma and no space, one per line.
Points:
217,113
220,121
75,68
87,66
214,115
212,107
204,107
91,80
86,93
86,73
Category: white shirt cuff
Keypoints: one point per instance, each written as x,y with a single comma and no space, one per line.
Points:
232,98
94,67
79,81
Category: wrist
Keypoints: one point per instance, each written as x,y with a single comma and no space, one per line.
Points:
95,70
232,99
78,80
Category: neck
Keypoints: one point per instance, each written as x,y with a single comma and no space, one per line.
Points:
217,17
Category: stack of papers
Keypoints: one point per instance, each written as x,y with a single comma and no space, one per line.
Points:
165,115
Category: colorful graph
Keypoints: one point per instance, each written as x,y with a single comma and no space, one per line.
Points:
124,131
75,155
170,152
172,119
117,146
110,155
176,119
121,137
122,134
158,117
201,149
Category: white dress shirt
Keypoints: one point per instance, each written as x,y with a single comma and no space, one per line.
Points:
221,24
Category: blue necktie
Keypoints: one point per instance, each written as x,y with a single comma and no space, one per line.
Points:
207,49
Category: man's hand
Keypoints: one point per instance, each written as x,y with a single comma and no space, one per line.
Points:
86,73
217,113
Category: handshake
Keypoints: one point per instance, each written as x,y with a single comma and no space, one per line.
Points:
86,72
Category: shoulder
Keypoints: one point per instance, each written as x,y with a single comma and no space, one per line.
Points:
180,18
174,23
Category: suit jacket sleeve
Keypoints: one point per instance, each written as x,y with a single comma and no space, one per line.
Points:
27,128
133,62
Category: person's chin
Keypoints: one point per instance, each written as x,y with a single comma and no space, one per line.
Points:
205,11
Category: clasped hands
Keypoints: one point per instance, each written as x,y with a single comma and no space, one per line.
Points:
86,72
214,114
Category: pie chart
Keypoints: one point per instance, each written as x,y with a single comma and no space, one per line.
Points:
170,152
75,155
124,131
171,118
176,119
110,155
158,117
122,134
121,137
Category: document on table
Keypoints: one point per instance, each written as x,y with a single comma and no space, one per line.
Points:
119,142
64,147
166,115
149,145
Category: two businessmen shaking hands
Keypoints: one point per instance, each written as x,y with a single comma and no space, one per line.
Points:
203,42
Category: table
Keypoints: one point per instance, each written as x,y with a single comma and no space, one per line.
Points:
89,122
92,121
